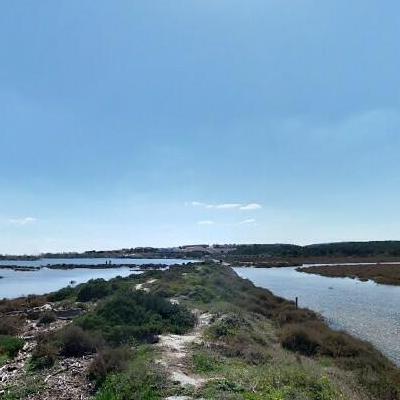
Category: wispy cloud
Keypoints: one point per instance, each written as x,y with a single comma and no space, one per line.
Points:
206,222
251,206
248,221
226,206
22,221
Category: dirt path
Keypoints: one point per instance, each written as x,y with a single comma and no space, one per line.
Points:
175,350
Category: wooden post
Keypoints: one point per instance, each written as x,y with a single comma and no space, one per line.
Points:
297,302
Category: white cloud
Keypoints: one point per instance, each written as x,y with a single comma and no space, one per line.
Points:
248,221
251,206
22,221
226,206
206,222
197,204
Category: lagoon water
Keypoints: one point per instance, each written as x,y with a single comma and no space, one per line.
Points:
367,310
17,283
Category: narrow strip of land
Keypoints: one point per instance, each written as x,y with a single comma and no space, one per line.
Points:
388,274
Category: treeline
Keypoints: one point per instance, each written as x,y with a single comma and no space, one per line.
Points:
342,249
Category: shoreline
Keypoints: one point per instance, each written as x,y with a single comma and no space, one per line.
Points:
18,268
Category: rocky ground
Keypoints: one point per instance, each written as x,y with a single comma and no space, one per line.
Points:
66,380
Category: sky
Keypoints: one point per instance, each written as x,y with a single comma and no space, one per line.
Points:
170,122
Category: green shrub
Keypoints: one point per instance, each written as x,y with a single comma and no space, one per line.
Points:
10,346
44,355
142,381
95,289
136,315
62,294
203,363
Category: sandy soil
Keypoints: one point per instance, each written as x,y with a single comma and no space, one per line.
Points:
175,350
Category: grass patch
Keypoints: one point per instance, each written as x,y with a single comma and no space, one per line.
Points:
141,381
205,363
298,330
271,382
10,346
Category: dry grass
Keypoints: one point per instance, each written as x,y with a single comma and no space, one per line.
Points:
388,274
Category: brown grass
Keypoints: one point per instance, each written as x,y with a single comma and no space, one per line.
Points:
388,274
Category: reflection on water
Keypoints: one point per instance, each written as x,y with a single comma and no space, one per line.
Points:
16,284
365,309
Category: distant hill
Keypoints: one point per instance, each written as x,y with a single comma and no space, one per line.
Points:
387,249
341,249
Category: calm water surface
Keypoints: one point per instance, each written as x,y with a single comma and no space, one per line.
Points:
365,309
17,283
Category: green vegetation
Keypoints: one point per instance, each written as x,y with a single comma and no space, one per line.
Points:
136,315
388,274
44,355
256,346
142,380
62,294
125,317
251,316
31,386
9,347
343,249
94,290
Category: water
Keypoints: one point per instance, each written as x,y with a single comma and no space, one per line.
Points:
43,262
17,283
367,310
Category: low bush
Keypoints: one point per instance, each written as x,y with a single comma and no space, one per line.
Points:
22,303
44,355
62,294
95,289
143,380
47,318
75,342
301,339
10,325
10,346
33,315
109,361
136,315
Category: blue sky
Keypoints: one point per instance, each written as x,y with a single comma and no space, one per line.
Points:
127,123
